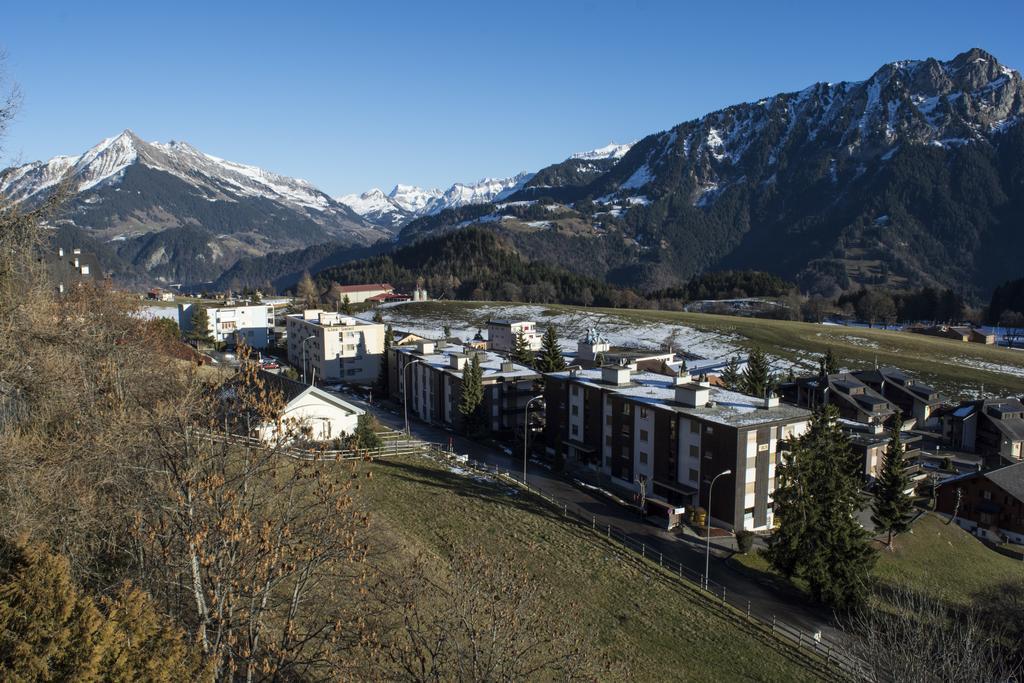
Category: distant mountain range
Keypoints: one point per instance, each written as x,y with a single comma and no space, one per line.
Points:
912,177
174,213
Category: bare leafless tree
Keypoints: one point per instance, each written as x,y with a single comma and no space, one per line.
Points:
913,637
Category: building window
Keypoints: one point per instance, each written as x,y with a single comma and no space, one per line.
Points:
709,429
643,412
607,419
694,427
575,390
694,452
643,435
643,458
708,455
575,410
575,430
627,409
987,495
607,441
694,475
748,511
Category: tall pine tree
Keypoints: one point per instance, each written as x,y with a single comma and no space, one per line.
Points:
521,352
551,357
892,507
828,364
200,330
816,497
731,374
472,398
757,376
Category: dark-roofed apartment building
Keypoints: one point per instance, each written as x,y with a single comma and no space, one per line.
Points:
989,504
865,414
855,400
672,436
434,373
912,397
993,428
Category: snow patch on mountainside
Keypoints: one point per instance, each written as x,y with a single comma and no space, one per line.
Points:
610,151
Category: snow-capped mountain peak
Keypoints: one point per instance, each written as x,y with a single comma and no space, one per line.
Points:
609,151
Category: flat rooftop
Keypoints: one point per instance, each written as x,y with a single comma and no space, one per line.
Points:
725,407
490,362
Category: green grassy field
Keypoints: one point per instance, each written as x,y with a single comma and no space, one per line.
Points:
955,368
941,560
630,611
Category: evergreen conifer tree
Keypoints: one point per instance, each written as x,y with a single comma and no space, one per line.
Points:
892,507
731,374
365,435
346,305
757,377
521,352
472,396
551,358
816,497
828,364
200,331
378,317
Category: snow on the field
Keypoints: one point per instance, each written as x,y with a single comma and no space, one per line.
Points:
985,365
709,351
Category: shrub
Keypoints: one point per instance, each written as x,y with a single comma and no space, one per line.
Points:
744,540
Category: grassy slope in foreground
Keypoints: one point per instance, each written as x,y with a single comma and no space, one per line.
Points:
631,611
955,368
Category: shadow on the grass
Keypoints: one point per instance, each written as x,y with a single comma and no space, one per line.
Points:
468,483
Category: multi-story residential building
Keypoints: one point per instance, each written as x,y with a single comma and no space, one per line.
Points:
672,436
434,375
910,396
989,504
69,267
992,428
501,334
333,347
253,324
854,399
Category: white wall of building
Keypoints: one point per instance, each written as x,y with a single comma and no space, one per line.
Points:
342,348
325,419
226,324
501,337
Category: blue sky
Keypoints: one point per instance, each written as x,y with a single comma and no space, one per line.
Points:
351,96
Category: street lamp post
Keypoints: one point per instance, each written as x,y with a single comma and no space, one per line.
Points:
405,392
526,431
707,537
303,344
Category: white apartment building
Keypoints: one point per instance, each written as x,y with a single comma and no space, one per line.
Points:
228,324
333,347
501,334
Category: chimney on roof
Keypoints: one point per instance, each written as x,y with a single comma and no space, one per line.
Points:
615,375
770,402
457,361
692,395
426,347
507,366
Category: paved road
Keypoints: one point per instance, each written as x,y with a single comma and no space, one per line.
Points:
688,551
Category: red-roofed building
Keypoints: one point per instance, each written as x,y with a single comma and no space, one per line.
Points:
357,294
